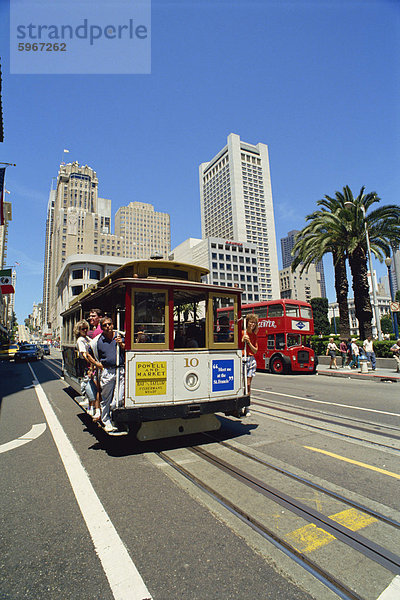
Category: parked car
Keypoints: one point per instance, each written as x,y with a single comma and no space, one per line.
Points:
28,352
46,349
7,351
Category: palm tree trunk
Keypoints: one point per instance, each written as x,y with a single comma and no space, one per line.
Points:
362,301
342,288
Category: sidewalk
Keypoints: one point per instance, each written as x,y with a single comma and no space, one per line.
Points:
379,374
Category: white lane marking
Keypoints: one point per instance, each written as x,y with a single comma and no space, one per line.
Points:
124,579
381,412
34,432
392,592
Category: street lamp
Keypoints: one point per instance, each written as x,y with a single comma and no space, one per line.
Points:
349,205
388,263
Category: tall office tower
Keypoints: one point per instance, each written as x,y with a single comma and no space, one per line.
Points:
4,233
46,324
287,245
145,231
78,222
236,204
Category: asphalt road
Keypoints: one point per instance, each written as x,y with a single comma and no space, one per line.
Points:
104,518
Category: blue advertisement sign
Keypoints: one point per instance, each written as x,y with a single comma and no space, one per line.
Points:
223,375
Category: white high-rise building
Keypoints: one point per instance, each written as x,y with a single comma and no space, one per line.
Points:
236,204
231,264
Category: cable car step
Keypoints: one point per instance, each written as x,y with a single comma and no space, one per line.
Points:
154,430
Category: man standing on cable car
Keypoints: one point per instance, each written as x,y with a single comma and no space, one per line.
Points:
111,365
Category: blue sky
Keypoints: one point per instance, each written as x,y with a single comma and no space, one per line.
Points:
319,82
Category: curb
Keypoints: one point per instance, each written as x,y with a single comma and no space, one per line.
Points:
382,377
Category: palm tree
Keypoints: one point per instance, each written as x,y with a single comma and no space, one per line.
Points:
383,225
324,234
341,230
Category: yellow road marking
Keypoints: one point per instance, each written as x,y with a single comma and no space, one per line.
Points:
310,537
355,462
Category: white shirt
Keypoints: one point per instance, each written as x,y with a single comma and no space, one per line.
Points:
82,343
368,346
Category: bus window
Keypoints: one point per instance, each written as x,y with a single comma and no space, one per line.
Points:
292,310
275,310
280,341
271,342
293,339
306,312
261,311
149,317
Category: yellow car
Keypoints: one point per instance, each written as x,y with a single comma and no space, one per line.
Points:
7,351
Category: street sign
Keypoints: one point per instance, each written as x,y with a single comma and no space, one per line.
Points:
395,306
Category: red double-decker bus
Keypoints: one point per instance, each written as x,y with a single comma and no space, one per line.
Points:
284,330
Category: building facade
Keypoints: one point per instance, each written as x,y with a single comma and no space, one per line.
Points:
383,309
395,270
287,245
146,232
4,233
236,204
78,273
78,222
300,287
231,264
6,301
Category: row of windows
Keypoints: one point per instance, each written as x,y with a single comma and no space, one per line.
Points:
93,274
234,277
228,257
250,159
233,247
222,164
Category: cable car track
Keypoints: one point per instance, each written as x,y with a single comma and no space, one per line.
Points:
357,542
323,429
309,483
285,407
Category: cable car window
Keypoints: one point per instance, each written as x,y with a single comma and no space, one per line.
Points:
168,273
149,317
223,326
189,319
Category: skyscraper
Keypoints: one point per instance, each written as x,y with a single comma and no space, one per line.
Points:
146,232
287,245
78,222
236,204
7,208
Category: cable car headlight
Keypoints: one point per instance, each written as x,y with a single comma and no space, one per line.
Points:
191,381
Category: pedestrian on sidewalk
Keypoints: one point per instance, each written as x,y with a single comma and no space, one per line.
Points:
368,346
396,354
355,355
331,351
343,352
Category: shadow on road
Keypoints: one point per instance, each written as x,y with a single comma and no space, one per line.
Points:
128,445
